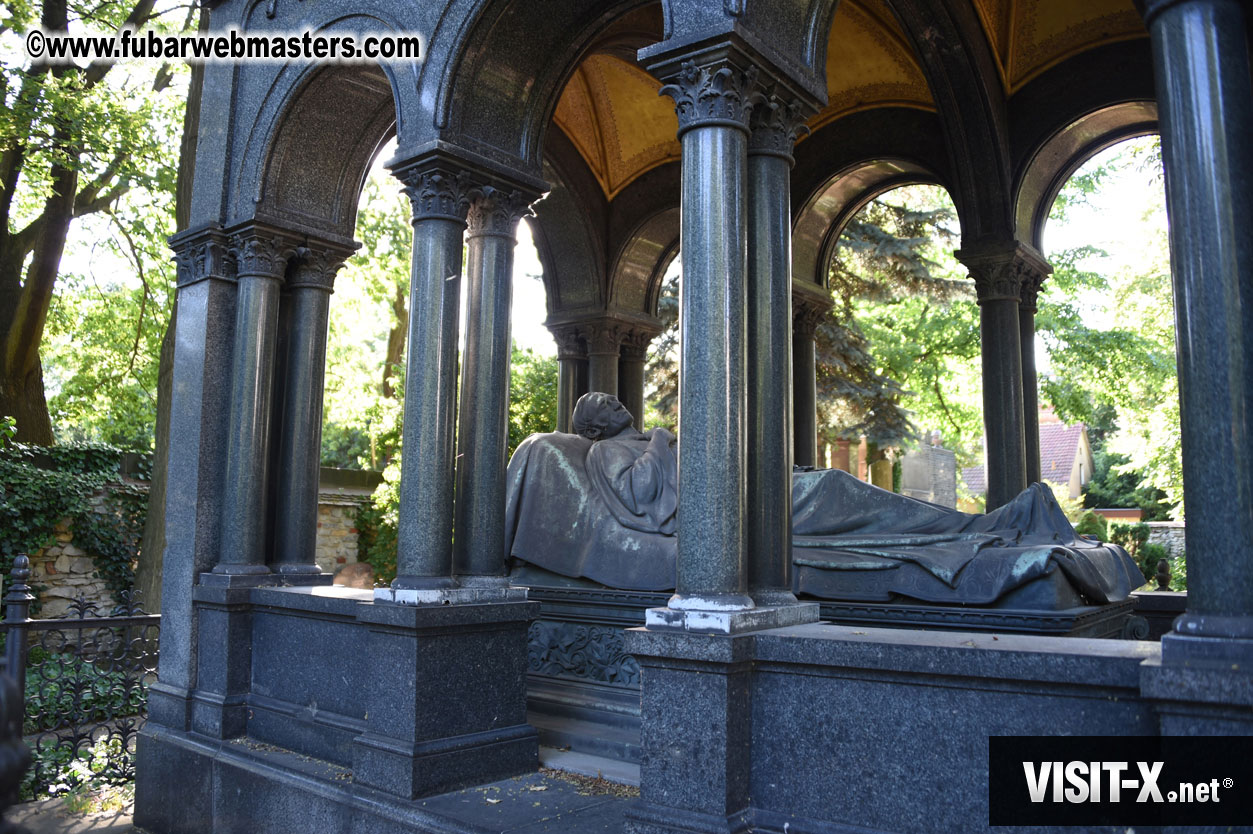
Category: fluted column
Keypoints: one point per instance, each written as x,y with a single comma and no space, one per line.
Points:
713,103
604,343
571,356
1205,104
482,438
631,372
299,457
1032,280
807,314
261,257
439,200
774,126
997,268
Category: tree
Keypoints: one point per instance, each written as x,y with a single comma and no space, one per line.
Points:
1108,323
900,344
73,141
532,395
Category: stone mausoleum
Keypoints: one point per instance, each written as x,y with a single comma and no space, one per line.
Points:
284,704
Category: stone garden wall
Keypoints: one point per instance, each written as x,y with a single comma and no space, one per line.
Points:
62,572
1169,534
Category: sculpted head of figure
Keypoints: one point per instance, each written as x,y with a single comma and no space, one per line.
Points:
598,415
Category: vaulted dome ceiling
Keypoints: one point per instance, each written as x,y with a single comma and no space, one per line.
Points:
611,111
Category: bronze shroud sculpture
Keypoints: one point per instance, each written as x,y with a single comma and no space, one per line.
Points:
600,505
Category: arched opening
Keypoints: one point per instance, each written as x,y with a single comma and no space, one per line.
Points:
1106,344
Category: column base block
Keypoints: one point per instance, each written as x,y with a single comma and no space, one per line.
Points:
449,596
647,818
1199,650
731,622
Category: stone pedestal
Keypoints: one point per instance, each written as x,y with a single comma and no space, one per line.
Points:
696,715
460,716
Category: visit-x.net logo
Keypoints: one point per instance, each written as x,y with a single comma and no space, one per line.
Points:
1120,780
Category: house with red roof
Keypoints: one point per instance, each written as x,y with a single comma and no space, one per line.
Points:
1065,458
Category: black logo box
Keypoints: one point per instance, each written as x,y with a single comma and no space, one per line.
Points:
1224,762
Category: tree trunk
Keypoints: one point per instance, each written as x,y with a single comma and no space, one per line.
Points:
22,397
395,341
148,573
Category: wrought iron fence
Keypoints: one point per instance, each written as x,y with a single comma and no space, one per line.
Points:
85,680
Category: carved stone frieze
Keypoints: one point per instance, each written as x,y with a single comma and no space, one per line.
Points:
569,340
636,341
586,652
1032,281
1004,271
316,268
604,337
495,211
774,126
717,94
437,192
203,256
260,253
807,314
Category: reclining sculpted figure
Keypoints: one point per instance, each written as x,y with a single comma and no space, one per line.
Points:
600,505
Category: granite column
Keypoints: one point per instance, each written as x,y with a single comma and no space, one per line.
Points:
713,103
439,201
774,126
1205,104
299,457
1031,283
631,372
807,314
997,268
571,356
482,438
604,343
261,256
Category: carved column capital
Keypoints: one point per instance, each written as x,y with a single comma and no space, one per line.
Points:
261,253
201,256
1032,282
437,192
1004,271
495,211
636,341
316,268
569,341
604,337
774,126
807,314
718,93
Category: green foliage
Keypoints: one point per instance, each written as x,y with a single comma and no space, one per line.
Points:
73,775
532,396
901,344
1150,554
110,134
662,368
376,525
368,323
1113,485
1108,325
1134,538
43,486
1093,525
68,685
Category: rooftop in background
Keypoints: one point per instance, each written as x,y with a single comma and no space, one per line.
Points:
1065,458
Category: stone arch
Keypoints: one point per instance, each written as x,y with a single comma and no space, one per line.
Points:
961,72
870,153
313,170
1055,133
498,85
296,164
